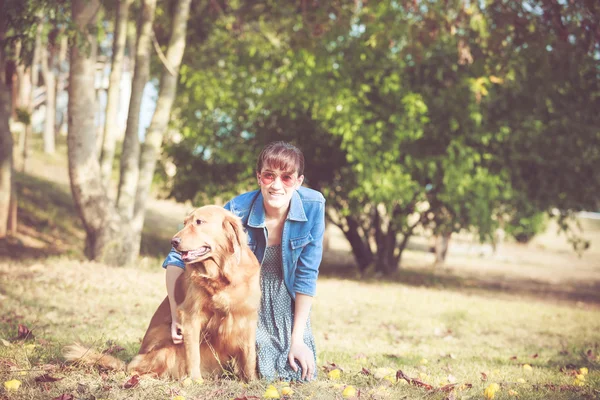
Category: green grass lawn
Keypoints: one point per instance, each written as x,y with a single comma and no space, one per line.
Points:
476,323
434,335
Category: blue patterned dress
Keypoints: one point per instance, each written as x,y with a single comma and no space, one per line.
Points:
275,322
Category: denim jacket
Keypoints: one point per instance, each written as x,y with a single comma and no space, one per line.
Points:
301,239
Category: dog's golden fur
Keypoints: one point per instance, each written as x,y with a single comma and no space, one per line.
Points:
218,297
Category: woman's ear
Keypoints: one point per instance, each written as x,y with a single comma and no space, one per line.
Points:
299,182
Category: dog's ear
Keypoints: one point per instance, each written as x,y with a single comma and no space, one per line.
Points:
234,232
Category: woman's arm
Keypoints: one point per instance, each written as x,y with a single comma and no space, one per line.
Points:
173,272
298,349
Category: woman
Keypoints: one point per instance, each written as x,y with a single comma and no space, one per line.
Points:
285,224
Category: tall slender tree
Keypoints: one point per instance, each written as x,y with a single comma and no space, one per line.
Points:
162,113
6,140
131,143
104,229
112,102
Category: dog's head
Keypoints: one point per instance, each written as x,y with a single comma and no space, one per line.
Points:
211,235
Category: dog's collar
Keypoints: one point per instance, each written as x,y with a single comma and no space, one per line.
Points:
257,212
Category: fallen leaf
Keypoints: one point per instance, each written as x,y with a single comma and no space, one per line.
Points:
527,368
287,391
5,342
583,371
247,398
513,393
271,393
12,385
491,390
534,356
178,398
412,381
334,374
446,388
349,391
331,366
513,358
47,378
483,376
24,332
132,382
365,371
64,396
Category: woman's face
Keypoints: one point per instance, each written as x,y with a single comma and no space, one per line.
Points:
278,186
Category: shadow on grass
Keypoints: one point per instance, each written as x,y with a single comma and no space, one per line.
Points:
449,280
48,224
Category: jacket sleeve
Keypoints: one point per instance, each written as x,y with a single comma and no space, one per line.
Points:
309,261
173,258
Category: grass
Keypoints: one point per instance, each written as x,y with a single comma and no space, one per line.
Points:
435,335
474,323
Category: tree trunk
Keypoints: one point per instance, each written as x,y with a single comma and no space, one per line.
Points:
106,238
386,261
360,246
112,103
160,119
442,241
47,63
131,144
60,79
6,145
35,75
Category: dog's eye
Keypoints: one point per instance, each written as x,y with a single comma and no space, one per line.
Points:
199,222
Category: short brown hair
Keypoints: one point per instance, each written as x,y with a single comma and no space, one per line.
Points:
283,156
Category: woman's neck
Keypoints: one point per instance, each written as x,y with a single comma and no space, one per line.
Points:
275,214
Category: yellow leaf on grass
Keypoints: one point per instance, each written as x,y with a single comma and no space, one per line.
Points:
199,381
178,398
348,392
271,393
385,373
334,374
186,382
491,390
12,385
287,391
29,346
513,393
583,371
527,368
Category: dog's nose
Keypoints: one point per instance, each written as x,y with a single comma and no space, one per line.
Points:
175,242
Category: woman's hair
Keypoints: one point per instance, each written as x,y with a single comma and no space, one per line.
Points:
283,156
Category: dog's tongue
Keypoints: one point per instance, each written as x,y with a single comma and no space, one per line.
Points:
193,254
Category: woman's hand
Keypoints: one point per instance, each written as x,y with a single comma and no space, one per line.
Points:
176,332
302,353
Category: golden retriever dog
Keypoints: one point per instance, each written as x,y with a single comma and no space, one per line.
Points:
218,297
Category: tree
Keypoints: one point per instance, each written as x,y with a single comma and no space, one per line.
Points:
6,140
160,119
112,102
129,173
104,229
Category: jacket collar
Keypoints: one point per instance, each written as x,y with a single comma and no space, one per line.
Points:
257,212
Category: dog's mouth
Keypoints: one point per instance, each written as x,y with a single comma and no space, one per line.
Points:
194,255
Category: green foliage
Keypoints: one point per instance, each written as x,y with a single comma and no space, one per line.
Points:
523,226
432,114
